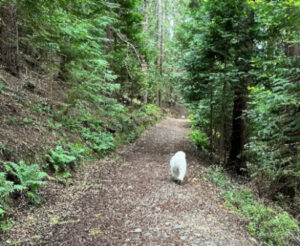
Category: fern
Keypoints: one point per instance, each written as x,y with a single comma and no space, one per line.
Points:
199,139
101,142
2,212
29,176
8,187
61,160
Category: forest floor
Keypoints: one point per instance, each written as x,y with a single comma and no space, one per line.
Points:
129,199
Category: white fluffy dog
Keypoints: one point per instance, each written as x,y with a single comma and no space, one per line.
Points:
178,167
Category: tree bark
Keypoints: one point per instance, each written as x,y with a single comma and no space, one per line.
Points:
145,14
211,123
9,37
236,159
222,124
144,63
293,50
160,43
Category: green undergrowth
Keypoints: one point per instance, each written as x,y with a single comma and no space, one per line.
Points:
63,160
140,119
83,135
197,134
16,179
199,139
268,223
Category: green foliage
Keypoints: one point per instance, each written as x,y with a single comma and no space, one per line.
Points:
199,138
7,187
11,121
28,120
91,38
99,46
95,49
101,142
54,126
2,214
62,161
272,152
135,122
269,224
197,118
146,115
217,176
199,125
28,176
40,108
249,48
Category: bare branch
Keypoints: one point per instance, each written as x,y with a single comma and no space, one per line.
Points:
124,39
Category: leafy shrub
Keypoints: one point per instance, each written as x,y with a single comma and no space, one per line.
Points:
101,142
146,115
196,118
28,120
151,110
54,126
268,224
217,176
199,138
131,124
274,121
40,108
62,161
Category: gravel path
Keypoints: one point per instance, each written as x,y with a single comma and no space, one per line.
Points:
129,199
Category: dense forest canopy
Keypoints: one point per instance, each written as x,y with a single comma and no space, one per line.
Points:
242,85
234,63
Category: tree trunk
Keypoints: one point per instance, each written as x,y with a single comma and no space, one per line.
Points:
9,37
145,97
160,43
222,124
236,160
158,101
293,50
162,37
145,14
144,63
211,123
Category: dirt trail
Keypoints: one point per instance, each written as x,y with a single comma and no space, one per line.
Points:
129,200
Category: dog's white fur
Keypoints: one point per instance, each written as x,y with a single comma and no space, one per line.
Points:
178,166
